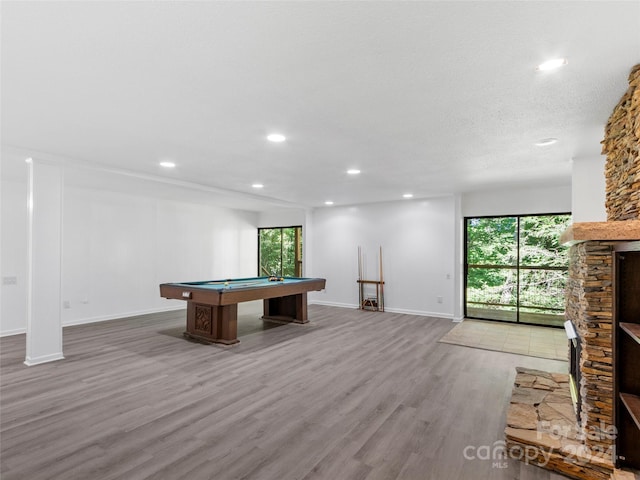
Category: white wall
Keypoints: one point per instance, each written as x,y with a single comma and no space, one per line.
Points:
588,194
418,248
422,242
282,217
13,297
118,247
520,201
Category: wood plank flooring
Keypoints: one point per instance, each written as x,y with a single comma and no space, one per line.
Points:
351,395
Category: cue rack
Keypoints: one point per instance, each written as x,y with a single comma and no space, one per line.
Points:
369,302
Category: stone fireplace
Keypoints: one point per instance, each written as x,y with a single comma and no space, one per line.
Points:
582,444
589,306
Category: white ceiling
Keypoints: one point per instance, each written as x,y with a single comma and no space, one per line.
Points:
423,97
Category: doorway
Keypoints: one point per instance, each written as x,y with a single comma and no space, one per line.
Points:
515,268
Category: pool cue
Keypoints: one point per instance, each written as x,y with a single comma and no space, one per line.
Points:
360,292
248,284
381,299
242,284
222,282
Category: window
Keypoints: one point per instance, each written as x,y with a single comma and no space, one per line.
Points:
280,251
515,269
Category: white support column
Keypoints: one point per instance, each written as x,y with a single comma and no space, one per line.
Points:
44,255
458,271
588,189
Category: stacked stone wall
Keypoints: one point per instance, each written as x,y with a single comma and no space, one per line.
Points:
585,447
621,145
590,308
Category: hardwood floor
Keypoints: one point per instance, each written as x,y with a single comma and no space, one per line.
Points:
352,395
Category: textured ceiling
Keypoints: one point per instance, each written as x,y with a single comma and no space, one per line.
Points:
423,97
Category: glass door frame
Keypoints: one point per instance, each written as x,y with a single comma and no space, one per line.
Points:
298,248
517,267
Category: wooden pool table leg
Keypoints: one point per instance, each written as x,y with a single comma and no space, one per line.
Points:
291,308
227,324
212,323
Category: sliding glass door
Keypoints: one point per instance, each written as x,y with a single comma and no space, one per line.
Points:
280,251
515,269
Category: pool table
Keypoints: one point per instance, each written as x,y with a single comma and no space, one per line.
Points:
212,306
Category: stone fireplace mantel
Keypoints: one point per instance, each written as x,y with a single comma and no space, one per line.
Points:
612,230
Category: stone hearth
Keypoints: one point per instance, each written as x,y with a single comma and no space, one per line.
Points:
542,428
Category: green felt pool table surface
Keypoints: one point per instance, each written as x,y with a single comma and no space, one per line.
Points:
250,282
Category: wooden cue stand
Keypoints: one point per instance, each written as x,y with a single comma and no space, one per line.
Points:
376,303
370,303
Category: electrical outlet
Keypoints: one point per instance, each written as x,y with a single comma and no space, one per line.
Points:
439,299
9,280
66,304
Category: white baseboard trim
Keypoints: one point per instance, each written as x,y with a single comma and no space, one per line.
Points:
419,313
104,318
15,331
43,359
334,304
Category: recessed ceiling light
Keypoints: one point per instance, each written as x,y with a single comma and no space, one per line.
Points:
257,185
276,137
552,64
408,195
353,171
328,202
167,164
546,141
